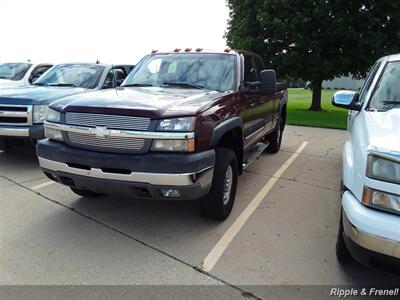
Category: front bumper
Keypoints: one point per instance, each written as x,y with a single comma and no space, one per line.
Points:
372,237
34,132
141,176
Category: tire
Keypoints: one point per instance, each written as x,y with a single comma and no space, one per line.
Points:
217,205
342,253
84,193
275,138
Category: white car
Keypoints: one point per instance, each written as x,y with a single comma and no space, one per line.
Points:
369,229
17,75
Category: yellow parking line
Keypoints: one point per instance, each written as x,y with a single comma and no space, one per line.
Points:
42,185
212,258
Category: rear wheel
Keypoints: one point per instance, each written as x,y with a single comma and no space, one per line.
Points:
343,255
217,205
275,138
85,193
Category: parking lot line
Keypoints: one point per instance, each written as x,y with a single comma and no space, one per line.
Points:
212,258
42,185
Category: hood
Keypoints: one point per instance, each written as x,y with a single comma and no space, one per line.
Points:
383,130
37,94
152,102
9,84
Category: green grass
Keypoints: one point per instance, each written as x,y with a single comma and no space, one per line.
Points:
298,113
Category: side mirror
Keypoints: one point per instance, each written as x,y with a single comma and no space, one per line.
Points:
268,81
346,99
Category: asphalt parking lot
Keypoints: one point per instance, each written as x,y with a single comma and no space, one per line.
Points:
51,236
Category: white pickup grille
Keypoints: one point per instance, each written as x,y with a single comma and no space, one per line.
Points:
109,121
106,144
15,115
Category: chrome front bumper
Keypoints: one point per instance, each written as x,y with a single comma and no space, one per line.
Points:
371,242
203,178
14,132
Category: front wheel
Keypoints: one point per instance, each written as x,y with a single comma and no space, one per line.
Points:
217,205
342,253
275,138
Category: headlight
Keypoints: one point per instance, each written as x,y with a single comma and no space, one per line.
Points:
178,124
53,134
53,116
173,145
383,169
381,200
39,112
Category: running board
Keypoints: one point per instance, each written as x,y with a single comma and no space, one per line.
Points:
255,152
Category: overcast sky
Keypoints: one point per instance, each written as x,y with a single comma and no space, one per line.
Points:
119,31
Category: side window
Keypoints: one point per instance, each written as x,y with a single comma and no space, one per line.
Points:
116,75
250,72
37,72
368,81
258,64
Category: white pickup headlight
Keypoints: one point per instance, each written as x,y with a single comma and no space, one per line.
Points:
381,200
39,113
53,116
383,169
177,124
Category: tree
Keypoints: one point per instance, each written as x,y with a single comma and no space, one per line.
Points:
316,40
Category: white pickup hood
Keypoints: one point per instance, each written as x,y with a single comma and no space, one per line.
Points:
383,130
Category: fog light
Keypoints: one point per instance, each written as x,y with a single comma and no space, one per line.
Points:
53,134
169,193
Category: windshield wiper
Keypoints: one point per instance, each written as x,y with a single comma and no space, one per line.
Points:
138,84
184,85
63,84
391,102
40,83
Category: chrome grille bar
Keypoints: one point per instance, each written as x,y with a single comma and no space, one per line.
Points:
122,133
10,113
109,121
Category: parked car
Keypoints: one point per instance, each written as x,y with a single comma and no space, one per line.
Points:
22,110
19,75
183,125
369,229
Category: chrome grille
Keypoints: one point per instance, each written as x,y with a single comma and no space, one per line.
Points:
16,115
109,121
106,144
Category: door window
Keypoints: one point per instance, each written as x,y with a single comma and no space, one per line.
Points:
250,71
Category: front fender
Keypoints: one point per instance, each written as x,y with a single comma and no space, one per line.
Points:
224,127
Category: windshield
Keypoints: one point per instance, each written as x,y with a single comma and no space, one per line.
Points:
200,71
387,91
74,75
13,71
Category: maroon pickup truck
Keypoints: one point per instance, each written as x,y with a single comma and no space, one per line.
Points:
183,125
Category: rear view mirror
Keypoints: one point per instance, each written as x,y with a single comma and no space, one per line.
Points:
268,81
346,99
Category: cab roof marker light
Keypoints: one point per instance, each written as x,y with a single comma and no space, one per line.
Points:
177,49
227,50
154,51
188,49
199,49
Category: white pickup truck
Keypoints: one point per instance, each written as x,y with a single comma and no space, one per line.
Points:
19,75
369,229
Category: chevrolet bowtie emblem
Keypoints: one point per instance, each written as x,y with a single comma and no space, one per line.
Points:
101,132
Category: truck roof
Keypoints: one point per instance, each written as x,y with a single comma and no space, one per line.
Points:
202,51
